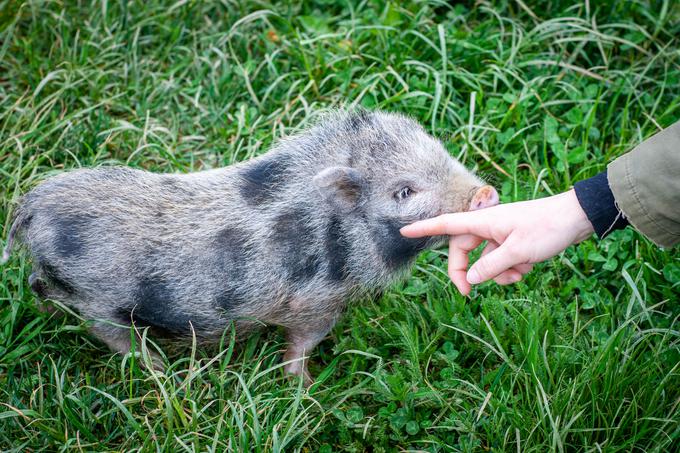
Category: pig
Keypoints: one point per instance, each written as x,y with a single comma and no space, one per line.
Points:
284,239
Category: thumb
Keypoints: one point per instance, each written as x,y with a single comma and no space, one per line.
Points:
493,264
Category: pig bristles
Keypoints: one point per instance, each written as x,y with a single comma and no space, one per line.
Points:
286,239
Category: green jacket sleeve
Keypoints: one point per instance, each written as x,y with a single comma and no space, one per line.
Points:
646,186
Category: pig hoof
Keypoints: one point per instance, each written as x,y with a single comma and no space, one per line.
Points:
154,359
297,369
307,379
154,363
45,307
118,340
39,287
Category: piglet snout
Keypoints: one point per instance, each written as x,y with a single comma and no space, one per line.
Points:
485,197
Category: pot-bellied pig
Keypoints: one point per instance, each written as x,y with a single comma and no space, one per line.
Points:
284,239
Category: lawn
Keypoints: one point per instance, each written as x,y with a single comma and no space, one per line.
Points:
534,95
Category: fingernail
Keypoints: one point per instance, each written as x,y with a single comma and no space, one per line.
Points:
405,229
473,277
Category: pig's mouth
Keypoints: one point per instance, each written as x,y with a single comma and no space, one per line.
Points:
421,244
398,251
438,242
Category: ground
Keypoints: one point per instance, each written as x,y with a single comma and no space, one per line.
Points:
535,95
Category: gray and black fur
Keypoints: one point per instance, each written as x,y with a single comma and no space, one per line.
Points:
286,239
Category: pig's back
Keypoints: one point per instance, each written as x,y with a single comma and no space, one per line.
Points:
169,247
167,250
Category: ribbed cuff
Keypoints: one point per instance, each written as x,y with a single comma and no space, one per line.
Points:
597,201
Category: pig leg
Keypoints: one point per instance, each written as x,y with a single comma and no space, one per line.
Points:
40,289
297,354
46,286
118,340
301,342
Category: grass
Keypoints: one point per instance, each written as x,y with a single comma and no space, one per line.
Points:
535,95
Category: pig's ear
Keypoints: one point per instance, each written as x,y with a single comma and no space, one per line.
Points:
341,186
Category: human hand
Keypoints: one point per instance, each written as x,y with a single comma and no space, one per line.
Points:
518,234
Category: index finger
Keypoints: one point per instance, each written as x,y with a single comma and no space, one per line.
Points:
450,224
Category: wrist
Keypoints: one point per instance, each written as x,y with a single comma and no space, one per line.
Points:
578,220
597,201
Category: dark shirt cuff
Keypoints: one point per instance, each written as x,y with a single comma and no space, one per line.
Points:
597,201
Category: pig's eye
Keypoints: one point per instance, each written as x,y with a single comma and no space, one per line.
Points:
403,193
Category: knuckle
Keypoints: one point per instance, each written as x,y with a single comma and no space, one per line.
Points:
513,252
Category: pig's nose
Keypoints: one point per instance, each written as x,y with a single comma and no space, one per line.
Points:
485,197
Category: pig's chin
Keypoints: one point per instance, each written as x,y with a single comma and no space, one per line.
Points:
437,242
